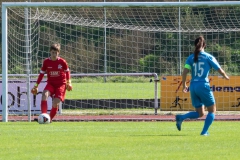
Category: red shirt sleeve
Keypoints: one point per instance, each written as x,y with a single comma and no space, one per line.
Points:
40,77
68,76
42,72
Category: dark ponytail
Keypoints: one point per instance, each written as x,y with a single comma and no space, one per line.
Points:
199,45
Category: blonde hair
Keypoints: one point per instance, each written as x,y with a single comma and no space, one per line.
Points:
55,47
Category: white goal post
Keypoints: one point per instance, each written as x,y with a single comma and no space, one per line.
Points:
114,39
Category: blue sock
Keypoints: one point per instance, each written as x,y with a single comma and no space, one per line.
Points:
191,115
208,121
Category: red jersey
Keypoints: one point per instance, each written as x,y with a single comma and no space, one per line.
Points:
56,70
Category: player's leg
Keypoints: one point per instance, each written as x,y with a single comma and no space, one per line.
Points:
194,114
196,102
48,90
45,96
56,103
59,95
190,115
209,101
209,119
44,106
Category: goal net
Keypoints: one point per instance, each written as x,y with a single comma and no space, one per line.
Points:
115,52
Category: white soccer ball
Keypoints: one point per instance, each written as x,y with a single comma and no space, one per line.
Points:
43,118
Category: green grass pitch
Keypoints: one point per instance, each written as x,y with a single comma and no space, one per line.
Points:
118,141
112,91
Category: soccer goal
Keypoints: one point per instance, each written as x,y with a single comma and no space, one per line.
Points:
116,51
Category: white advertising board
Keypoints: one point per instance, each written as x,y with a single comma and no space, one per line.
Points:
17,97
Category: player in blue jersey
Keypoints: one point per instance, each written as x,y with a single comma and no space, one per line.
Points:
200,63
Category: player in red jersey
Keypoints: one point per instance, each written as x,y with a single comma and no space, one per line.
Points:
58,80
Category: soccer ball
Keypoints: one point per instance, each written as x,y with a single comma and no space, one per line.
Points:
43,118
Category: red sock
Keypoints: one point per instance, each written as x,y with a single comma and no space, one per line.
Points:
44,106
53,112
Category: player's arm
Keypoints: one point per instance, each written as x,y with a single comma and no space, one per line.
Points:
217,67
187,67
222,72
35,88
68,77
68,84
40,77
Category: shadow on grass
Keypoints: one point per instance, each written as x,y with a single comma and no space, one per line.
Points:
174,135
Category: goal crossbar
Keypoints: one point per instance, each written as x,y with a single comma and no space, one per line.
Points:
118,4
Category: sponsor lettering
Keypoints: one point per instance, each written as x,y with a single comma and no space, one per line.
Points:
54,73
221,88
225,88
17,96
